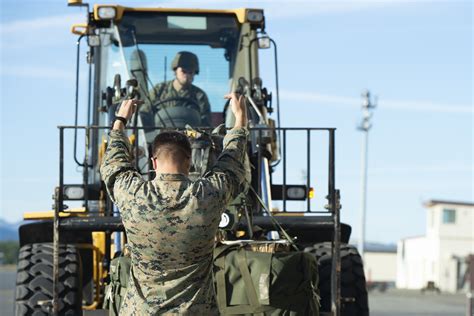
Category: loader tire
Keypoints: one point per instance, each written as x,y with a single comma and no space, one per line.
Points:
34,281
353,285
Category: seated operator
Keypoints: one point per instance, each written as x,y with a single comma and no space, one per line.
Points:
178,102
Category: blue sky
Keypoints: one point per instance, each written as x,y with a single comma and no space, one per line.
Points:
415,55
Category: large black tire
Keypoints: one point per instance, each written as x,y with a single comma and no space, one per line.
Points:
353,285
34,281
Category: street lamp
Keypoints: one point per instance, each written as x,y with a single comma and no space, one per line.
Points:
365,125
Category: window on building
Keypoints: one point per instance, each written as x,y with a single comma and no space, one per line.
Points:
449,216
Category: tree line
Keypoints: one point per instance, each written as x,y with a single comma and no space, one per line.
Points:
10,251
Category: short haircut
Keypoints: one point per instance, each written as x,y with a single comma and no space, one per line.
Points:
171,145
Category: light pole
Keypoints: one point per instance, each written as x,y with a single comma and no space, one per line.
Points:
365,125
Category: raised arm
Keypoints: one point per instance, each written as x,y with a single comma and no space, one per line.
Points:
227,175
239,109
117,170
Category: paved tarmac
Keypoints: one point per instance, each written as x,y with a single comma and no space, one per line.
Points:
390,303
395,302
7,287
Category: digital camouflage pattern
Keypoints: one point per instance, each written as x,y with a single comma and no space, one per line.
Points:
171,223
166,91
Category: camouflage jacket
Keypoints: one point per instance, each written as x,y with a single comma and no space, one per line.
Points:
164,91
171,223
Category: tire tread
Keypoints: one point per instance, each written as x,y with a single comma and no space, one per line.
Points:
353,282
34,280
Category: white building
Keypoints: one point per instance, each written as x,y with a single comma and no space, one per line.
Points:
380,265
440,256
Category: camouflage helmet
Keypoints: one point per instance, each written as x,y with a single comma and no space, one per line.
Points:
186,60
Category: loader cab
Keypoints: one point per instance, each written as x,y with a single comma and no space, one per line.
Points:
142,44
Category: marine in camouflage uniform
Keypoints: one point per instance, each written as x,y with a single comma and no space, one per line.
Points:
179,92
166,91
171,223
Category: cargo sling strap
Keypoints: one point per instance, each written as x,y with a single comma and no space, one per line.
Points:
250,282
201,149
255,307
273,220
116,289
113,298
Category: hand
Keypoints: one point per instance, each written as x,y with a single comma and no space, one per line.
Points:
239,108
128,107
237,102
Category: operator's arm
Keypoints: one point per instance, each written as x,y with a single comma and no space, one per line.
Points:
147,110
227,175
160,92
118,173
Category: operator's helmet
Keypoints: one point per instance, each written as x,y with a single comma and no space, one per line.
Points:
186,60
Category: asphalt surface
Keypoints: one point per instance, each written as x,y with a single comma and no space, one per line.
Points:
7,287
390,303
412,303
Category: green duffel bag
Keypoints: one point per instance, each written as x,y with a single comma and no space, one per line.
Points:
119,277
265,283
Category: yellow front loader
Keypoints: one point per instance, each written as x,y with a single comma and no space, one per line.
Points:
65,253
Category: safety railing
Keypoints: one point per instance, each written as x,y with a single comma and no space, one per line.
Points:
257,135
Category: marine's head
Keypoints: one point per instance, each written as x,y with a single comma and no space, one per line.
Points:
171,153
185,65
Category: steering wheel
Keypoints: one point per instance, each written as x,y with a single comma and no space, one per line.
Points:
195,105
188,112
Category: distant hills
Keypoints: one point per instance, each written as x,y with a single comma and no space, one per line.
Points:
379,247
371,246
8,231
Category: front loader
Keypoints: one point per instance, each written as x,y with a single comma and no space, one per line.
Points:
65,254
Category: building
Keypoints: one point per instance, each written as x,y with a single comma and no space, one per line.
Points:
441,255
380,265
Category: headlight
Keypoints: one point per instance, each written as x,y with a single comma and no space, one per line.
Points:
255,16
106,13
292,192
74,192
295,193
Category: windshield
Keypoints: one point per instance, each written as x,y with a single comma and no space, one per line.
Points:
213,74
144,45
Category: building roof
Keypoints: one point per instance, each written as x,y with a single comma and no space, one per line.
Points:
436,202
379,247
414,237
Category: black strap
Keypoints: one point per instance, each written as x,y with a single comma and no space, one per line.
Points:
121,119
